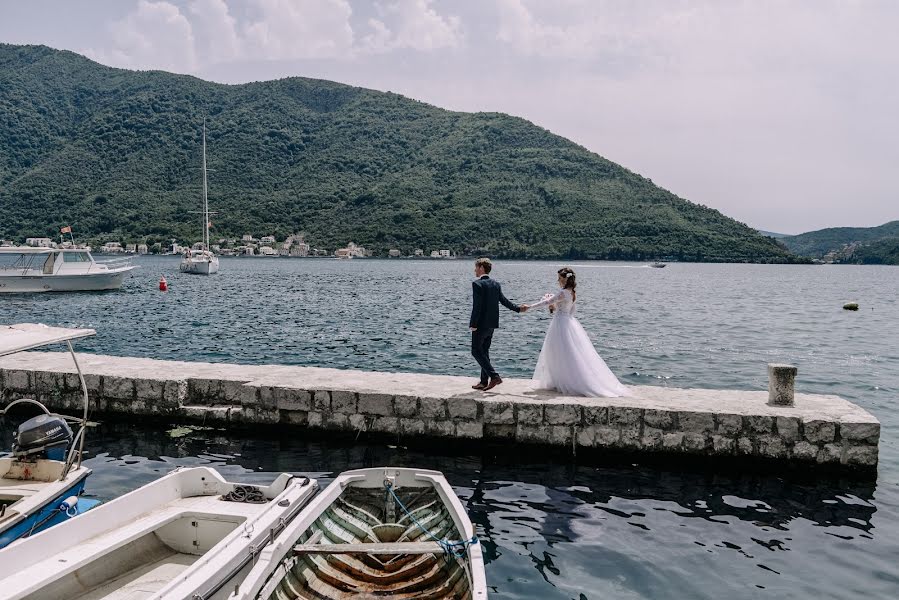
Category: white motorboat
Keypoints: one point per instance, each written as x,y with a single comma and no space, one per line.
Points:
187,535
202,261
27,269
42,479
373,533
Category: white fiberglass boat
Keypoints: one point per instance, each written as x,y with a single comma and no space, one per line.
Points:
26,269
188,535
42,479
202,261
199,262
373,533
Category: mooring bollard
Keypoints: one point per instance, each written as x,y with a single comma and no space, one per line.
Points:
781,380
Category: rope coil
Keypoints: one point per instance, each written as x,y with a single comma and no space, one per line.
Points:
247,494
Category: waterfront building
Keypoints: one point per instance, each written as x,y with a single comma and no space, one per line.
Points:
299,249
351,251
112,248
394,253
267,240
131,248
142,249
445,254
39,242
419,252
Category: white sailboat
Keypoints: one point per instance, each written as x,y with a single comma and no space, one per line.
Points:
202,261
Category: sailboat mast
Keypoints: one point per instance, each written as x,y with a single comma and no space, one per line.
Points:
205,196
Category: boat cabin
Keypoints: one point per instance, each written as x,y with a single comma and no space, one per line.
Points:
47,261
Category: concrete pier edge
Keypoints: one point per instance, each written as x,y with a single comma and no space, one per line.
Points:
723,426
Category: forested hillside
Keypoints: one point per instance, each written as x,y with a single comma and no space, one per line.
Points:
116,154
816,244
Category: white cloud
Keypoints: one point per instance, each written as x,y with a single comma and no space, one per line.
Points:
155,36
300,29
158,34
414,24
215,29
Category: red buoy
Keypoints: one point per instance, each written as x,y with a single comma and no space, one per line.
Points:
163,284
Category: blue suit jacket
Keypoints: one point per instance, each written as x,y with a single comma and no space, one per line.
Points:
488,295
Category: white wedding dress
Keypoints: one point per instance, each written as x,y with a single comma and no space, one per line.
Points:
568,361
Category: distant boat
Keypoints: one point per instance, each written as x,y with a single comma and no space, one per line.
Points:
202,261
27,269
658,265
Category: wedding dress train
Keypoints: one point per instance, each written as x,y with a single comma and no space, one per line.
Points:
568,361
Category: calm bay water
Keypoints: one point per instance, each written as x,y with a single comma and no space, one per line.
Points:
550,530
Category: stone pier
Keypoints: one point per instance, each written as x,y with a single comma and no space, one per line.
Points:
724,424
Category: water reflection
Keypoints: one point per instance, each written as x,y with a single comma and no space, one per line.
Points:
569,531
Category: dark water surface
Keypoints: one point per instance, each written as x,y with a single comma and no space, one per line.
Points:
554,529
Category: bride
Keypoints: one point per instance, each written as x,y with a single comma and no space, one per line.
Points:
568,362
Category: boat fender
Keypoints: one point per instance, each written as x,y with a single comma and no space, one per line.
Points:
69,506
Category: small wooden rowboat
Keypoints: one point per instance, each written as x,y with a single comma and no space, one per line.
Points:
188,535
374,533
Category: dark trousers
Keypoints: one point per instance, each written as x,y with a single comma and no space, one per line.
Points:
480,349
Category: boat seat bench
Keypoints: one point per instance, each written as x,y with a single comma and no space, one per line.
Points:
371,548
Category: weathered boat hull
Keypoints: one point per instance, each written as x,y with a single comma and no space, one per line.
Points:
360,538
43,502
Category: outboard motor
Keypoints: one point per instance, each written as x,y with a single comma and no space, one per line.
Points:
43,436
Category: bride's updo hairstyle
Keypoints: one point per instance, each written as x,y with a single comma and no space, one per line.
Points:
570,281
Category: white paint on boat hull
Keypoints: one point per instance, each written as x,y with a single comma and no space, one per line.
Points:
173,538
90,282
277,563
200,267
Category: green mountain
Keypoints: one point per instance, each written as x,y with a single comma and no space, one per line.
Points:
816,244
116,154
882,252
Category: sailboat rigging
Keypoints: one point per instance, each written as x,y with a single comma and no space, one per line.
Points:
202,261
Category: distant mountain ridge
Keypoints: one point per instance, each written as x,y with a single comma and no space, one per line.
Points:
116,154
773,235
817,244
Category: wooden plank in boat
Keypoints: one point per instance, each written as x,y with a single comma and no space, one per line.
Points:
370,548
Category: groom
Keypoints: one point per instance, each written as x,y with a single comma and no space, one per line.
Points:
484,319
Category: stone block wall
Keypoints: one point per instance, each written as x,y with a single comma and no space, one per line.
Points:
622,425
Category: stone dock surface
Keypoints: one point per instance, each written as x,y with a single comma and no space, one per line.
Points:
727,424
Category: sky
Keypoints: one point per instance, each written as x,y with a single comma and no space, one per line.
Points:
781,114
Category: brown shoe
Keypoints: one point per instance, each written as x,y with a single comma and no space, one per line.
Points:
493,383
479,386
